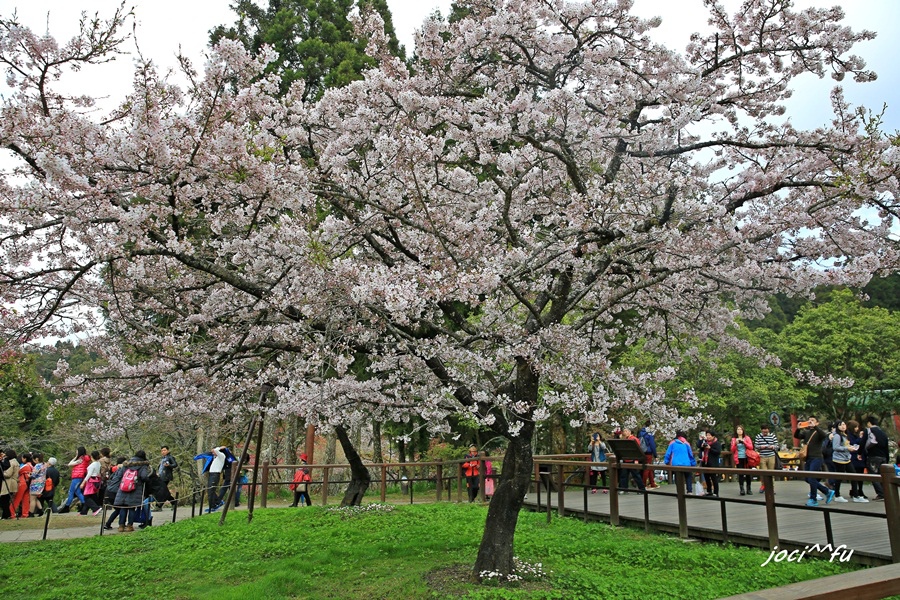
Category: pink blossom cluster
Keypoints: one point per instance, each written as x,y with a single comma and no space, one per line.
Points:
477,237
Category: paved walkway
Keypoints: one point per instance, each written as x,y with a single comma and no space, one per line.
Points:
861,527
72,525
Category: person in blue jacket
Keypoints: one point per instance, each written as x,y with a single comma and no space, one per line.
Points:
679,454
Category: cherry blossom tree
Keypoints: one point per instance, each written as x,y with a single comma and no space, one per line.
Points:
474,237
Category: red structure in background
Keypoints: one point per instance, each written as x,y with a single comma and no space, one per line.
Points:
310,448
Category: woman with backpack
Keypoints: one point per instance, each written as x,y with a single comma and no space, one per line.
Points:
51,484
91,487
112,490
130,497
471,471
300,485
740,443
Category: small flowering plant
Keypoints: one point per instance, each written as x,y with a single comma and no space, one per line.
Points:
524,571
348,512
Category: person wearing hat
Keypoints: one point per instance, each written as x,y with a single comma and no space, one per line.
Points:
300,485
766,444
471,470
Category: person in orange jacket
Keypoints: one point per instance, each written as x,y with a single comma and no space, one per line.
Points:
470,470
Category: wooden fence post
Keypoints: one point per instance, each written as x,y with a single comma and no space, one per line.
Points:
560,498
383,482
771,518
481,474
252,495
439,483
891,508
325,486
613,489
264,492
682,504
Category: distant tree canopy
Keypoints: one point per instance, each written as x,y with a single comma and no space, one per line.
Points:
843,342
25,402
315,39
882,292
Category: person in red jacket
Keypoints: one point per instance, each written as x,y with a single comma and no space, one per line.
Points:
21,499
740,443
79,466
470,470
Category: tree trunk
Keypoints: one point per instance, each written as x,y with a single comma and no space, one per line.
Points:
377,453
496,551
558,441
401,456
356,439
359,474
495,555
290,442
330,449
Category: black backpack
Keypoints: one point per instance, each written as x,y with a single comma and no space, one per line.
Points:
156,487
827,449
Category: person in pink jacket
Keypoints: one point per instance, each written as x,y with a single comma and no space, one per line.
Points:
740,443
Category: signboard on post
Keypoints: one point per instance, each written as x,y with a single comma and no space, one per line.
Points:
774,419
627,450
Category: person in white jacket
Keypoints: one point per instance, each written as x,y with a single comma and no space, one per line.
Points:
214,477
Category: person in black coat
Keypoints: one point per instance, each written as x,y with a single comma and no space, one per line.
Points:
877,453
50,487
711,456
814,436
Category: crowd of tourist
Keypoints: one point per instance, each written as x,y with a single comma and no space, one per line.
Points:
30,484
841,447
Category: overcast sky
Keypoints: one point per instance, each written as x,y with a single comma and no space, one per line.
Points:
164,25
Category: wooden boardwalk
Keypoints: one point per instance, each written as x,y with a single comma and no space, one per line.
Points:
860,527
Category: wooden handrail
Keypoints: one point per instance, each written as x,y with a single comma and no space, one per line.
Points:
886,477
867,584
570,462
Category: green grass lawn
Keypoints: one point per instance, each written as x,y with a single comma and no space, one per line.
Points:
411,552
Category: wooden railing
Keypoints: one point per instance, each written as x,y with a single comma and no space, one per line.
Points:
560,468
554,474
443,474
869,584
